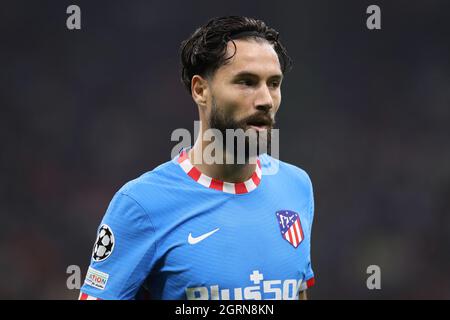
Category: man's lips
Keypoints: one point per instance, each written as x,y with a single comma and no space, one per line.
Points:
260,124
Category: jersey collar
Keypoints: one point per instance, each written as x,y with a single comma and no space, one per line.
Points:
228,187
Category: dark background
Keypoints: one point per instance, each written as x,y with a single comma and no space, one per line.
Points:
365,113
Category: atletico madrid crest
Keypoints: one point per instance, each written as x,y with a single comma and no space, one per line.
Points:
290,226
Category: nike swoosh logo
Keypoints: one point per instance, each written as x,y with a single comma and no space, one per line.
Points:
196,240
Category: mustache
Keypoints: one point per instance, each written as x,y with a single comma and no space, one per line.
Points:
259,119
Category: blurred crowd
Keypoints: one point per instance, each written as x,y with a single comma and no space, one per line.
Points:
365,113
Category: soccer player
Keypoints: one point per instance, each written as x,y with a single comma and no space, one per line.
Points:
191,229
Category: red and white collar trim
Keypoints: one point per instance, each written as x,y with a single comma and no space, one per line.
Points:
228,187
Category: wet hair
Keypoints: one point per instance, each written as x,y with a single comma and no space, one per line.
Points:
205,50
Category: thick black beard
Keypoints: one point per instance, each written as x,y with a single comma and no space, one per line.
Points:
221,121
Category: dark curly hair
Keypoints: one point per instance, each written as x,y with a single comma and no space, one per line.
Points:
204,51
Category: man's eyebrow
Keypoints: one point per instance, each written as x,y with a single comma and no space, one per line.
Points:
248,74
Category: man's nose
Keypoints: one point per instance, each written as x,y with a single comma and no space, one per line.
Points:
264,101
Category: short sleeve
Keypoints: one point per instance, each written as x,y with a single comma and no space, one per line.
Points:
123,252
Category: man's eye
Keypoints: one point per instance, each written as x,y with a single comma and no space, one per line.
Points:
275,84
245,82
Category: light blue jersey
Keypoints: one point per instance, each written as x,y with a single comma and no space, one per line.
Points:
174,233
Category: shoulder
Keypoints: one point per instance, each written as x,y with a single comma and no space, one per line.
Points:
154,191
286,171
151,181
137,199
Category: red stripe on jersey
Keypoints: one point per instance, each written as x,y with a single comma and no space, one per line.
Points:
84,296
194,173
295,235
216,184
310,282
237,188
183,156
255,179
240,188
291,237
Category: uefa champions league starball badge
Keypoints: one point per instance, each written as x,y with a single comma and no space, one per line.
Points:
104,244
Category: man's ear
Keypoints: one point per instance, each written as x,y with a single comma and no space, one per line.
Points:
200,90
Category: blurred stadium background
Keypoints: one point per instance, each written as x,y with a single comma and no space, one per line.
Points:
365,113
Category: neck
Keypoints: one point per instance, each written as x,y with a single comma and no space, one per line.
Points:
233,173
